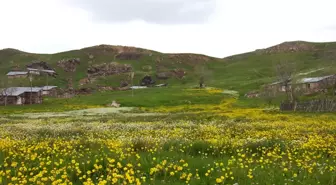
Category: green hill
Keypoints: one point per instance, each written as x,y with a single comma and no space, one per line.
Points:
242,72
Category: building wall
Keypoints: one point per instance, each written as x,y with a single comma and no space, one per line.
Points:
316,86
32,98
9,100
52,92
17,76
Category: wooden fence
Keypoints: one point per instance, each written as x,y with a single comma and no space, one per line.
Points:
323,105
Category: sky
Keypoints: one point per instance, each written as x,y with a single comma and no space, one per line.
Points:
216,28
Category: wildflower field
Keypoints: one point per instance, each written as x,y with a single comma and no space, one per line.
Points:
187,143
262,148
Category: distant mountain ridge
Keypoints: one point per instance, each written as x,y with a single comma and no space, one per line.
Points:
239,72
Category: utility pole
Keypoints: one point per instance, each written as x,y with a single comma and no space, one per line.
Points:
47,79
31,87
132,76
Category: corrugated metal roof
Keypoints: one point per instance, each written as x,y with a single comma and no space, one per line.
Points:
46,88
312,80
13,73
41,70
16,91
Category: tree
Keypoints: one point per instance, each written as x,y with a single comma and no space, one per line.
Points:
285,72
203,74
269,95
5,91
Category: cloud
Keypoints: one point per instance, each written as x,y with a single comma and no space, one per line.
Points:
151,11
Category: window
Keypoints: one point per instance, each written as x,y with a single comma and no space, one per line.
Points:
308,86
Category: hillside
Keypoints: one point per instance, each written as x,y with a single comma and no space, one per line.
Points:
106,65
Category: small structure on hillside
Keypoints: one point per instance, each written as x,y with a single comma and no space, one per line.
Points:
21,95
17,74
278,86
304,85
49,91
39,71
315,84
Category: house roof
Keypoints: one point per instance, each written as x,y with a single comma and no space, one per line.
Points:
16,91
312,80
41,70
46,88
13,73
279,82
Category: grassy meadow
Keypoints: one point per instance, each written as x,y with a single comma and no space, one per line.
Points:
171,136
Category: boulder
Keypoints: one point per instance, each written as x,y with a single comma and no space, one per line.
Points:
115,104
146,81
124,83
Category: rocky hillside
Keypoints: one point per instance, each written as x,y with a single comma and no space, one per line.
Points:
112,66
104,65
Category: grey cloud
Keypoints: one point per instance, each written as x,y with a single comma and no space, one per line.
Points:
152,11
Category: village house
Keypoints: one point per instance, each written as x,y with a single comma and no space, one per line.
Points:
311,85
304,85
39,71
17,74
21,95
49,91
279,86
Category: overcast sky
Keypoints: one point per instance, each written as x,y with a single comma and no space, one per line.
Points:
212,27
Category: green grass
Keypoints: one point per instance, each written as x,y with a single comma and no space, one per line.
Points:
150,97
241,73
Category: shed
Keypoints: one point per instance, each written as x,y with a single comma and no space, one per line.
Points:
39,71
49,90
17,74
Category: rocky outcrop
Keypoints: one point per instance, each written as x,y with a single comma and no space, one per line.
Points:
40,65
177,73
107,69
298,46
188,58
69,65
124,83
85,81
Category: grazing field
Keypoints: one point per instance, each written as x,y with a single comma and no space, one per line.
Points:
182,144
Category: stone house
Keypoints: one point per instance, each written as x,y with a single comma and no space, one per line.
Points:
20,96
278,86
304,85
315,84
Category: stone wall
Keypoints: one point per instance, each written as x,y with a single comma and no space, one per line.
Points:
324,105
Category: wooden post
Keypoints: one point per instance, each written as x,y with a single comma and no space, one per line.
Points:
132,76
31,87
